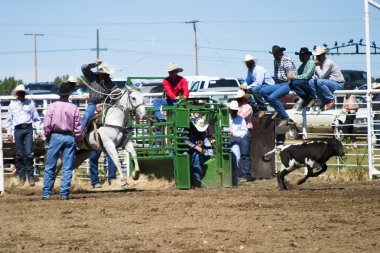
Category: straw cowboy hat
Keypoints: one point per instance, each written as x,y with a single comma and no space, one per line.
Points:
234,105
200,123
276,49
319,50
241,93
20,87
375,85
172,66
249,57
105,69
303,50
71,79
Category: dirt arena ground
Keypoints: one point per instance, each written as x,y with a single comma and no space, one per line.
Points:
315,217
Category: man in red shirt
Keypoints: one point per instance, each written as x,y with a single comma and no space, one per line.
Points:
175,87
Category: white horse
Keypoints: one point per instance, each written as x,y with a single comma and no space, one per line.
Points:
114,133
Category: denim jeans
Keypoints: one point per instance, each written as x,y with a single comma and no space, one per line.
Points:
245,153
94,169
90,110
157,103
24,146
255,91
273,93
325,89
303,89
196,169
65,143
235,155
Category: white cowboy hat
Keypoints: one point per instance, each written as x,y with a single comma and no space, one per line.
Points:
249,57
241,93
319,50
200,123
172,66
234,105
20,87
105,69
71,79
375,85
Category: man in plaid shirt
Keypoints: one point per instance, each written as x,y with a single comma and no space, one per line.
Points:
283,66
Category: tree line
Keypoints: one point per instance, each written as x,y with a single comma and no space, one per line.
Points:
9,83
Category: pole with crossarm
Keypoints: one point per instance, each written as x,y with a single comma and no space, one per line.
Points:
35,52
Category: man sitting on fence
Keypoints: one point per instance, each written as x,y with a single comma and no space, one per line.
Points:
175,87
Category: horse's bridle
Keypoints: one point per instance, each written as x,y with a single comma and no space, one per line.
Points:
122,107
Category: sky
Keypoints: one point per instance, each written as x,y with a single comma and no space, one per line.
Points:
142,37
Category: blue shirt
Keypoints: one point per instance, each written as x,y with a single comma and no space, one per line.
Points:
258,75
22,113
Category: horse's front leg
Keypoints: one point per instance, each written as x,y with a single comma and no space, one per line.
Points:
130,149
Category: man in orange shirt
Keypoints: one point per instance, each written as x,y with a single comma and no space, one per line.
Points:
175,87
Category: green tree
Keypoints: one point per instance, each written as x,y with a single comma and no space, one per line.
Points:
8,84
60,79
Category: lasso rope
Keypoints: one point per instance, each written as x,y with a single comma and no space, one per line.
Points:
120,69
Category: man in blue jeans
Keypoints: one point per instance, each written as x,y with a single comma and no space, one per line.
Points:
21,114
101,86
62,126
300,82
257,78
175,87
327,78
283,66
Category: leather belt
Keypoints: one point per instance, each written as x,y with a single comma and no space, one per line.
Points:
23,126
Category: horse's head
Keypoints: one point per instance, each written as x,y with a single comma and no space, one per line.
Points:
132,99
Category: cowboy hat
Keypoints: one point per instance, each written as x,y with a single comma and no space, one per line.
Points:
241,93
199,123
234,105
105,69
20,87
276,49
71,79
62,89
304,50
249,57
375,85
319,50
172,66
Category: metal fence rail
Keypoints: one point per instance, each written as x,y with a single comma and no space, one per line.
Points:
366,154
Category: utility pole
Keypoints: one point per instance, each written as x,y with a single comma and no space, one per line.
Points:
35,52
97,49
194,22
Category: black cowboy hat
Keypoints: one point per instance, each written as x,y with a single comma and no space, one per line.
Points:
304,50
62,89
276,49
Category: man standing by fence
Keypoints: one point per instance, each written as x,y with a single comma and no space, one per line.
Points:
21,114
63,132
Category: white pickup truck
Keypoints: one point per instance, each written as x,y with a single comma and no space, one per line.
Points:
206,83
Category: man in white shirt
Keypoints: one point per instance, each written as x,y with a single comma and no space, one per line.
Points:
238,129
22,113
327,78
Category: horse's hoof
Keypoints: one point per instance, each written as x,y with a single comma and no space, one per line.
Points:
136,175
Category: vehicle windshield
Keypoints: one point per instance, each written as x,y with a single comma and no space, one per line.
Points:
39,86
223,83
